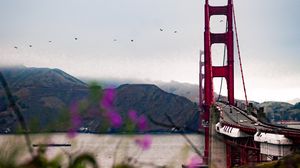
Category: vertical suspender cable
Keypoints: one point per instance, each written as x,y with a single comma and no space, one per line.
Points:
239,53
224,54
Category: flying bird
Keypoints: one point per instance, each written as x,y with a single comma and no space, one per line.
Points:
30,46
175,31
161,29
221,21
16,47
115,39
76,38
131,40
50,41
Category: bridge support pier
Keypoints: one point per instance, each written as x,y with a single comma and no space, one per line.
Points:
241,151
217,145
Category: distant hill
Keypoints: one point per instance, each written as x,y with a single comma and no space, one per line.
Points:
190,91
187,90
42,93
277,111
21,77
152,101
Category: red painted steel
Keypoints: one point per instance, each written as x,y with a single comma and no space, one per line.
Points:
208,90
239,151
242,151
216,71
228,155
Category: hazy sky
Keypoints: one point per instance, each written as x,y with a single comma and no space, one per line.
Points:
268,32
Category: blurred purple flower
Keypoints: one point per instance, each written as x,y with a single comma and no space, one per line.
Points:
142,123
145,142
71,133
132,114
108,98
75,119
114,118
195,161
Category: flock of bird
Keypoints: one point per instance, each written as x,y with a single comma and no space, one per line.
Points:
76,38
16,47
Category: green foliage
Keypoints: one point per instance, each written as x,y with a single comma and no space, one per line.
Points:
63,120
40,160
10,159
8,155
95,92
129,126
290,161
83,160
124,165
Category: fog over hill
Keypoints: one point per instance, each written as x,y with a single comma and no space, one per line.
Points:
274,110
45,94
187,90
294,101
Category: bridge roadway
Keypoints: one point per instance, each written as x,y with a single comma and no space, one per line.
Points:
248,140
234,117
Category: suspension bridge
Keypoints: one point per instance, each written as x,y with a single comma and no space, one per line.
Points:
238,133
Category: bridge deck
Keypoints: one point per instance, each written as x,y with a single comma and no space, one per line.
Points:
232,116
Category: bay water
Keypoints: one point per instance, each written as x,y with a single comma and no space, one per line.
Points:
166,149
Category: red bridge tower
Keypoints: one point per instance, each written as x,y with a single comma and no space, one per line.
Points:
226,71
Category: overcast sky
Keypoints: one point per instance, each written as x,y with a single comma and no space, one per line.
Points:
268,33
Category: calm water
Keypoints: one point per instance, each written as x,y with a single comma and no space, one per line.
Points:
165,150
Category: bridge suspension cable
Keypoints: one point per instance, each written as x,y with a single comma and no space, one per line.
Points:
239,54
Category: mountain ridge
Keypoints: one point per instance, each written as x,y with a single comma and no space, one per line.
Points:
42,92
